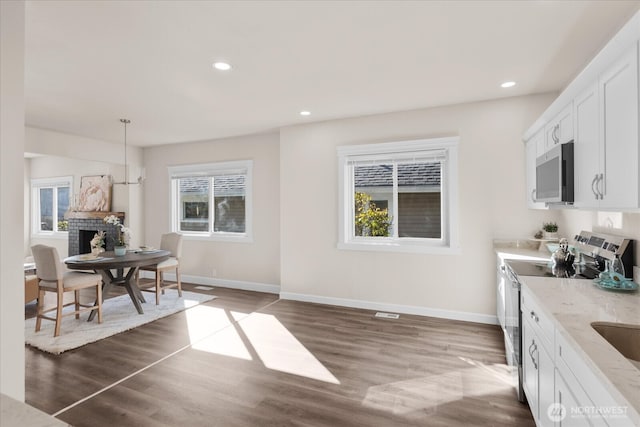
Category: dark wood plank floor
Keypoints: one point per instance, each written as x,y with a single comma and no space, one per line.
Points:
249,359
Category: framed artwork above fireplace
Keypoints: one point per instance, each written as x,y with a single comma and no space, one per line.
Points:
95,193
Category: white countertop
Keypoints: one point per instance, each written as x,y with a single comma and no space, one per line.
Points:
15,413
574,304
531,250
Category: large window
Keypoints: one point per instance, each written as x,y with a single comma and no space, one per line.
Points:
212,200
49,202
399,196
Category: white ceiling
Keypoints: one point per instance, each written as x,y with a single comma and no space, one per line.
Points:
90,63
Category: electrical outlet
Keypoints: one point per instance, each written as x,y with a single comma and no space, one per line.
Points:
636,274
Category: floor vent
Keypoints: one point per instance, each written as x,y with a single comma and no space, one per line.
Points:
387,315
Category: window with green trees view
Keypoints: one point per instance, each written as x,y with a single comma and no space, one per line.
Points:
399,196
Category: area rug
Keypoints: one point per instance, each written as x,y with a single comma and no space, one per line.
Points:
118,315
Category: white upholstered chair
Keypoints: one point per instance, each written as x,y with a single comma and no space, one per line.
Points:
171,242
53,278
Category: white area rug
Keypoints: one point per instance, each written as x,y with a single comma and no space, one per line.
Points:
118,315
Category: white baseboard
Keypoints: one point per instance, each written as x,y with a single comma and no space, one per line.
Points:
342,302
220,283
393,308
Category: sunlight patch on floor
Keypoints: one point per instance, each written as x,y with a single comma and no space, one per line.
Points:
225,343
420,396
211,330
500,372
280,350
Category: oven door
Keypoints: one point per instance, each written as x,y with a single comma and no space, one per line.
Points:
512,319
513,340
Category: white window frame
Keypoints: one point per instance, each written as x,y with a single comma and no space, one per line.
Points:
240,167
36,185
448,243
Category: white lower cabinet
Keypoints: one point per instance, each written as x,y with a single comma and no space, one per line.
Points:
538,371
561,389
573,407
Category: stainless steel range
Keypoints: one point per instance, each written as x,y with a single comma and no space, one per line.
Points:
595,250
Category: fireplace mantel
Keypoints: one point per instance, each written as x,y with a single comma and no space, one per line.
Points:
92,215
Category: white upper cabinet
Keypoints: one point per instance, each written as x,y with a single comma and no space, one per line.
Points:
606,139
560,129
532,147
618,183
599,110
587,148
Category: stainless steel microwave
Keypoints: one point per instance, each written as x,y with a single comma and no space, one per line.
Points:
554,175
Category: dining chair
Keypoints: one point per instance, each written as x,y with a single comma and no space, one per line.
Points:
52,277
171,242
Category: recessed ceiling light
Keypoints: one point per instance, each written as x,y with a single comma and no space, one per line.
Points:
508,84
305,113
222,66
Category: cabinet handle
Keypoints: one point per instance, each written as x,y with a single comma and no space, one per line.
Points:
593,189
600,180
554,134
533,195
535,348
534,316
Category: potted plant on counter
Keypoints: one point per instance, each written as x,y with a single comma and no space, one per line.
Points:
550,231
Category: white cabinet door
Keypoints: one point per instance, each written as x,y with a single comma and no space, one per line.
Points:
531,153
546,397
619,133
572,403
538,374
560,129
530,367
586,148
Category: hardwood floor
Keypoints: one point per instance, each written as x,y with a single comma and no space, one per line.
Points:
249,359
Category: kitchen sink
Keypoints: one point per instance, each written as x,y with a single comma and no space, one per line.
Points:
624,337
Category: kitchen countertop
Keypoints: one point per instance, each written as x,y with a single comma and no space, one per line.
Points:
521,249
16,413
574,304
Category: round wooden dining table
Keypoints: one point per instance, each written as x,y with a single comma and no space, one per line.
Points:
106,262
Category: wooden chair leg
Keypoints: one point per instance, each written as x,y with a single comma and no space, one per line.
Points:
59,312
39,309
158,281
76,296
179,284
99,299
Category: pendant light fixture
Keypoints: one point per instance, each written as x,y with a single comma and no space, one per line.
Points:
125,122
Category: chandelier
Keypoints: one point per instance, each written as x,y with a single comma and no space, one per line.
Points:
126,181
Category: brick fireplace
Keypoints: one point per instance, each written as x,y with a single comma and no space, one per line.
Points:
83,226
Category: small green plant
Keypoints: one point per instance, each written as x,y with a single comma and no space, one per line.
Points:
370,220
550,227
